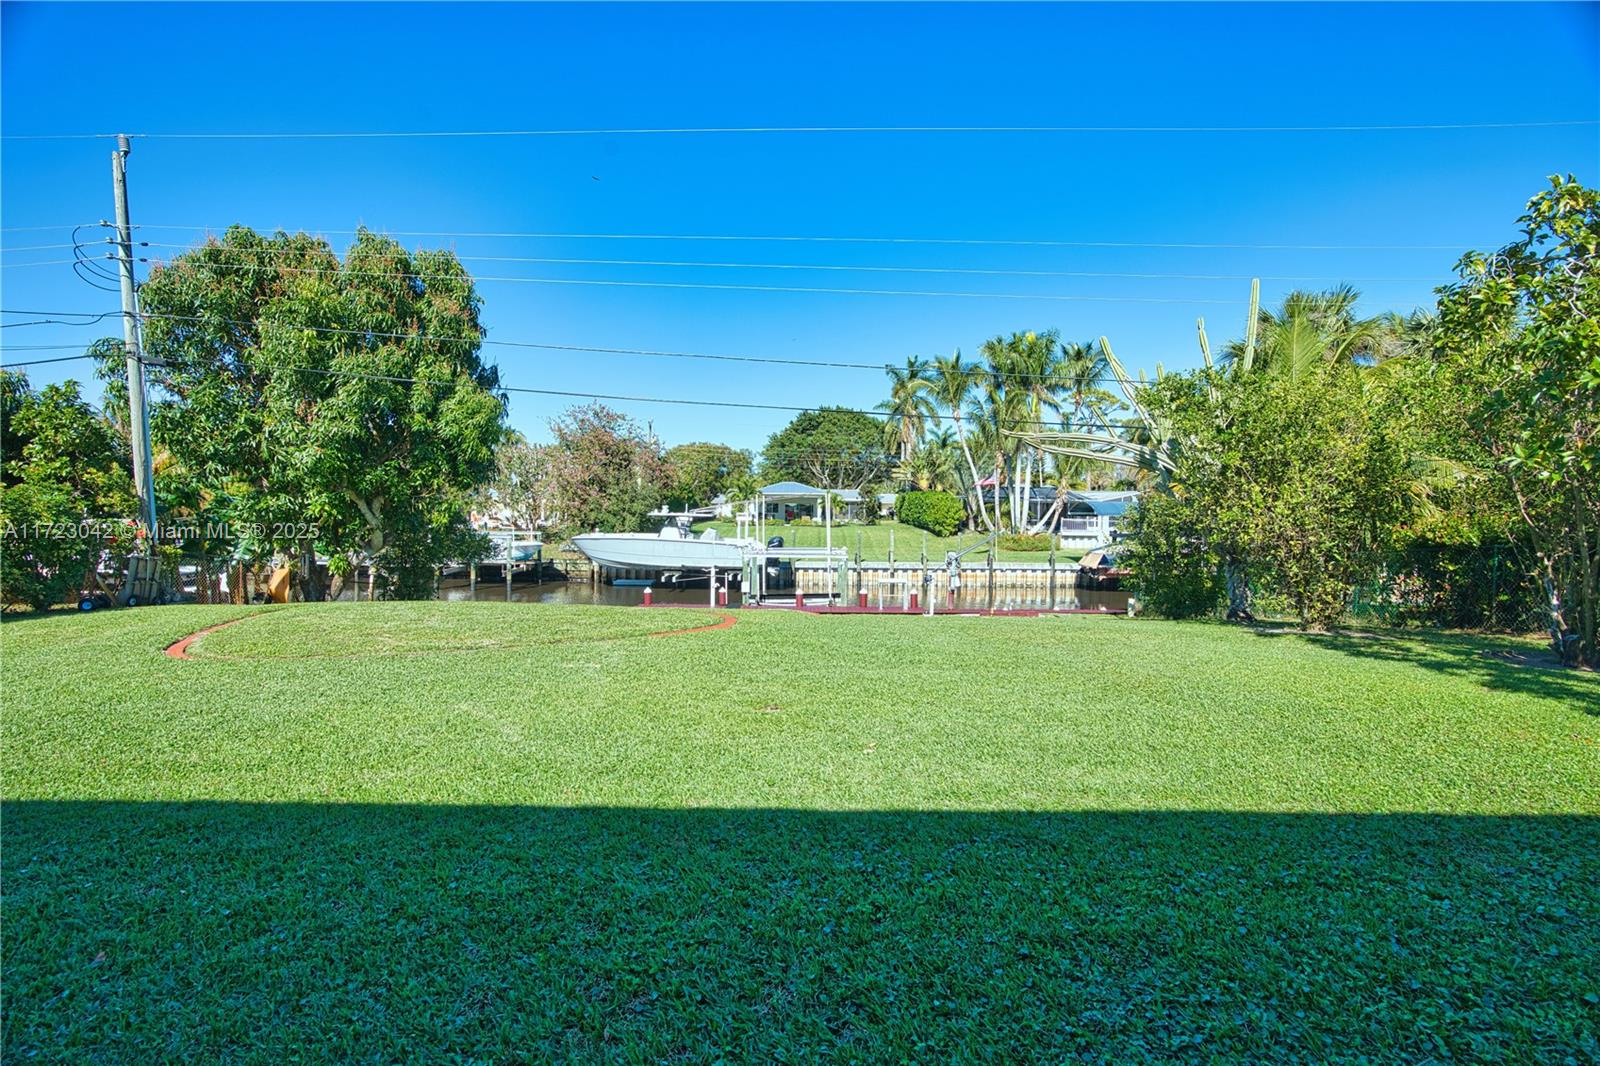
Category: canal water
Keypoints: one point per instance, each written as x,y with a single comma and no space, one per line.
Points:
973,596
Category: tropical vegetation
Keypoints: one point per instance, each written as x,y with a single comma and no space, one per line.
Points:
65,491
339,408
940,513
319,406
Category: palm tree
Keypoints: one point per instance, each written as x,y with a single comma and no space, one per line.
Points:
1309,330
933,465
953,381
1025,384
1084,369
909,406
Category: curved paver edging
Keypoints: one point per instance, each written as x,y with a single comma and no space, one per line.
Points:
180,649
726,622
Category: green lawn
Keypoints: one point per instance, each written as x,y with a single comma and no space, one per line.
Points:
475,832
908,542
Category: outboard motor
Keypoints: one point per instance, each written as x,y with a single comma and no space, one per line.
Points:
780,572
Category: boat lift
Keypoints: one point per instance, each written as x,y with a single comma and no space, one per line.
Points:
758,560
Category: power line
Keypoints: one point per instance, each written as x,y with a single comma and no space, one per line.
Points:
35,229
34,247
676,401
683,130
539,346
721,286
999,242
834,267
41,362
91,316
594,349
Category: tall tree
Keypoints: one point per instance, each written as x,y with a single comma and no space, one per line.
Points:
336,407
1022,387
910,406
608,473
952,386
697,473
831,447
1520,336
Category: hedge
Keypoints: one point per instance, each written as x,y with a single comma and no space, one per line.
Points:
1026,542
940,513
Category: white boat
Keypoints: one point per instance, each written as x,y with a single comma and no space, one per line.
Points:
674,548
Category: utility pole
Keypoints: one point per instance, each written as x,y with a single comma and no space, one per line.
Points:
138,415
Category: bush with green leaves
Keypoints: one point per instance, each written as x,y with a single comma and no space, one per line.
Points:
64,482
940,513
1173,571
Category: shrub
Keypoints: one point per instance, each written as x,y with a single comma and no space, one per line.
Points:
1026,542
1172,571
940,513
39,567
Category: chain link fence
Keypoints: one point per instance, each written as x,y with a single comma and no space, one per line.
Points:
1487,588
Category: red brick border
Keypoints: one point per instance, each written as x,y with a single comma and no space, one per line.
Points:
180,649
725,623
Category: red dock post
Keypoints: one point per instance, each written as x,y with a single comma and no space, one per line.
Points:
799,598
914,599
647,595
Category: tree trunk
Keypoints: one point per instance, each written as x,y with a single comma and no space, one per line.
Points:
309,576
977,492
1239,598
1050,516
999,467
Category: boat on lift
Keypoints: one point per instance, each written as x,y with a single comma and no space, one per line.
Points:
675,547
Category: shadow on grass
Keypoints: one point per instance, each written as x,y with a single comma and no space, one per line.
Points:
205,931
1510,666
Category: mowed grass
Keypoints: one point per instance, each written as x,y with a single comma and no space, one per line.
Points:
478,832
873,542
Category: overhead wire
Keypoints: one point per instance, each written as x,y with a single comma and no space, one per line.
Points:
829,239
594,349
874,268
1057,424
1399,127
90,315
728,286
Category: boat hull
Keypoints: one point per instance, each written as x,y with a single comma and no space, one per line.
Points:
642,551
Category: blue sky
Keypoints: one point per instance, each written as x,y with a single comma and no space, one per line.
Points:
197,68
